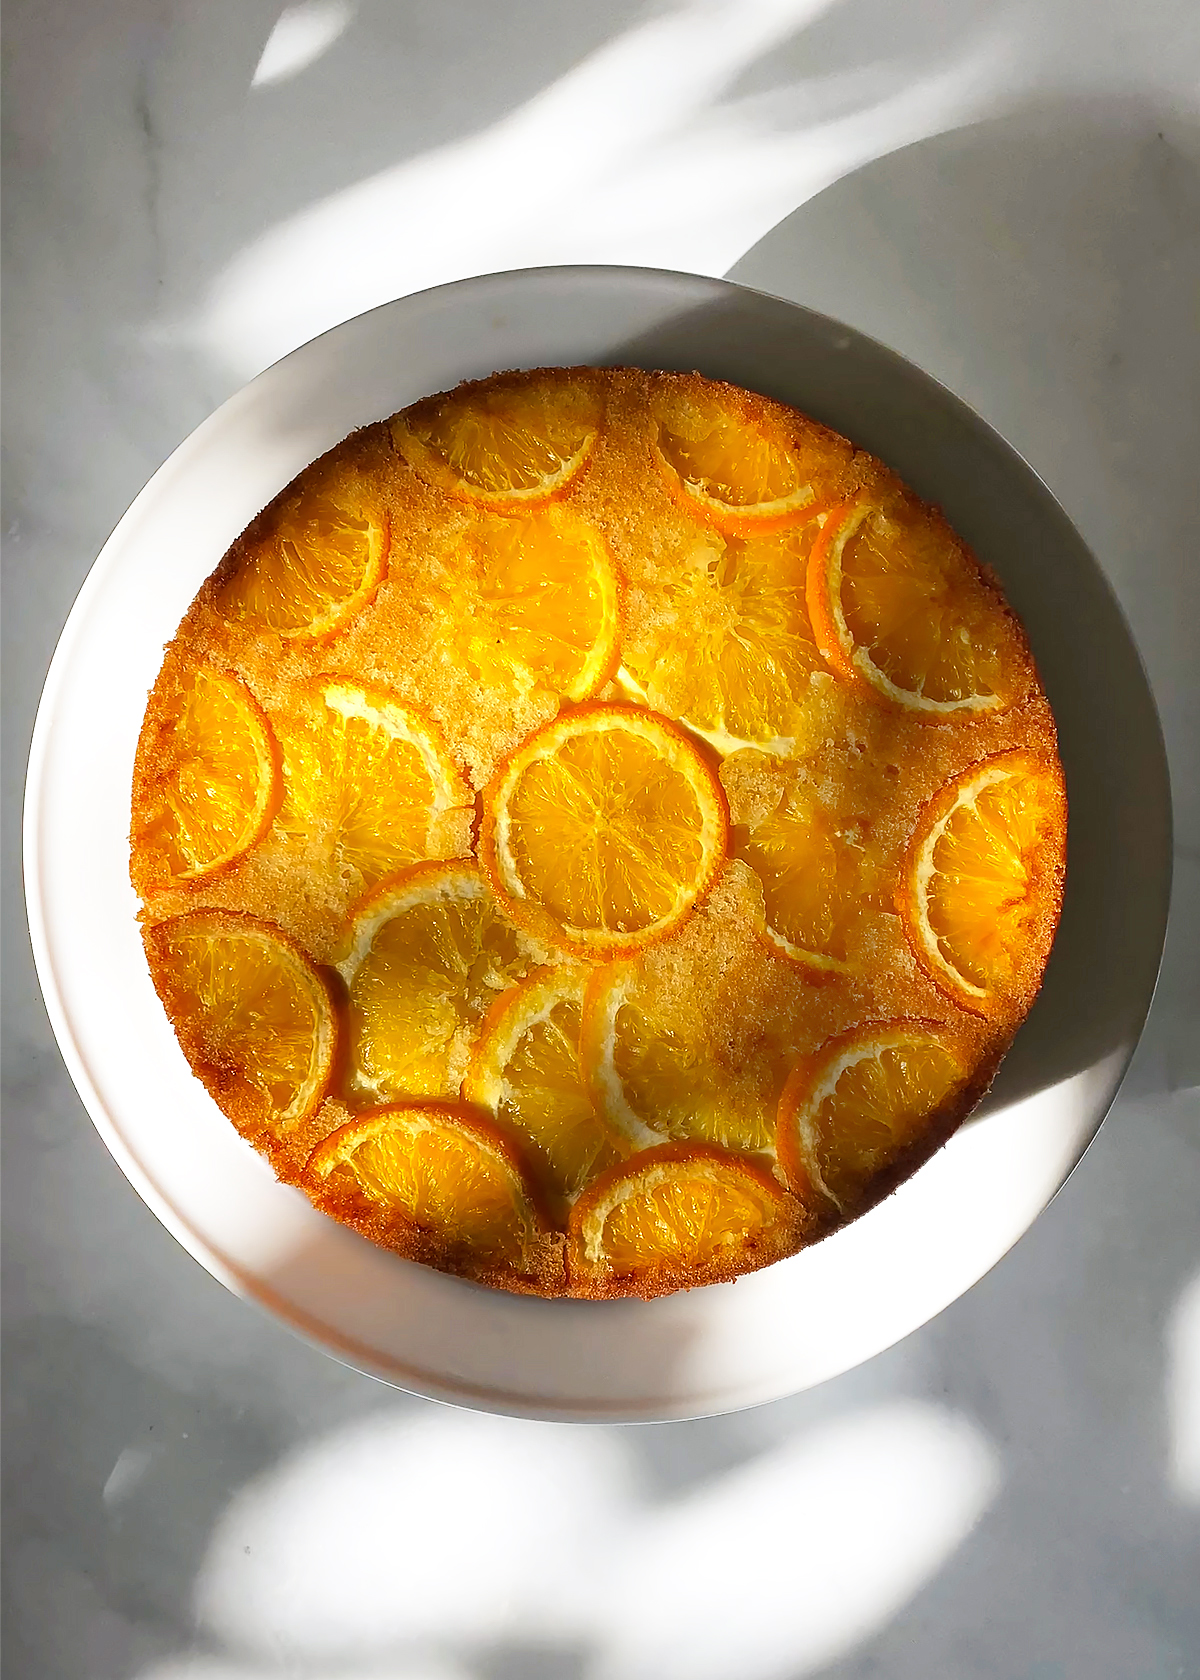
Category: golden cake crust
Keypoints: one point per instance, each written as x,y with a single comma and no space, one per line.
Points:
368,714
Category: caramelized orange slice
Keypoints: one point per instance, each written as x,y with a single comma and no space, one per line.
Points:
866,1101
898,607
370,787
320,565
255,1018
428,953
603,829
729,650
211,785
983,881
655,1072
433,1171
525,1070
546,606
678,1216
727,464
506,444
814,867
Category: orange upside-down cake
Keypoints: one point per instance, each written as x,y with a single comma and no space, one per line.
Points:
597,832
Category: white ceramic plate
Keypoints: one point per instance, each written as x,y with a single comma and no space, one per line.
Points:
713,1349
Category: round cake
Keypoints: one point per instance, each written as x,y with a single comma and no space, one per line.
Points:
597,832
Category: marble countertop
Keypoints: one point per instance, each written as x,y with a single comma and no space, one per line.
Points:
1008,193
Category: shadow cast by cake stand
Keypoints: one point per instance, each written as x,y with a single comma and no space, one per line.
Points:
1106,955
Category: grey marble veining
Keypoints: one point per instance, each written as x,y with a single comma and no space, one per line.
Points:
1010,194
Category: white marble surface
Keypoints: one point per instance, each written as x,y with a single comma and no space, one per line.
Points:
1011,195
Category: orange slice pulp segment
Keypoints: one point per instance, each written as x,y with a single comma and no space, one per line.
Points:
220,786
546,607
896,605
369,785
503,446
983,877
603,829
254,1016
730,652
321,564
861,1101
655,1073
436,1167
677,1215
428,953
525,1070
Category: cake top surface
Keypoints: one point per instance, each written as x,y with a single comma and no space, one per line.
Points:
597,831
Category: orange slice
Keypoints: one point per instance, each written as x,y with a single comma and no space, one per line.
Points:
897,606
814,867
656,1073
320,565
428,953
678,1216
216,785
435,1173
370,787
506,445
603,829
729,652
546,605
983,881
870,1099
727,464
525,1070
254,1016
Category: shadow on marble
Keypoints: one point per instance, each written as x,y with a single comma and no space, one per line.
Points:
1107,944
954,226
1043,266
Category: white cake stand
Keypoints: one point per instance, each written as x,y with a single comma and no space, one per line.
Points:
709,1350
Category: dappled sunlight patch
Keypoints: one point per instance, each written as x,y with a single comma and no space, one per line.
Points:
1183,1394
797,1558
303,33
454,1529
636,155
419,1667
432,1542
